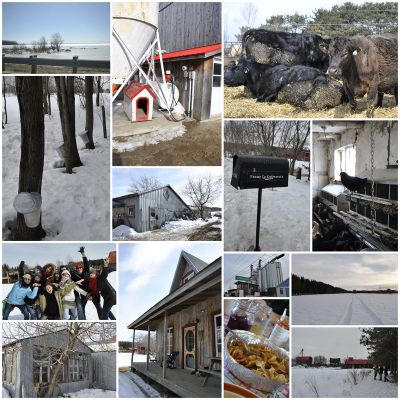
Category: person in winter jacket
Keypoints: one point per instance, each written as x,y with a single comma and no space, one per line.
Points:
380,372
107,292
51,300
20,290
32,304
68,300
93,289
48,271
56,277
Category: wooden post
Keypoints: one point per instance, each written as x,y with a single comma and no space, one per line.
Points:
148,348
75,69
34,66
133,346
164,367
103,115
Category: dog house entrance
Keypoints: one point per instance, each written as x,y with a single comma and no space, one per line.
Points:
142,109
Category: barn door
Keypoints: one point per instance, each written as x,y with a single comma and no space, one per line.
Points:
189,347
152,218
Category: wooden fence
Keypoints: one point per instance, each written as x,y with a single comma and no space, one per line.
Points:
73,63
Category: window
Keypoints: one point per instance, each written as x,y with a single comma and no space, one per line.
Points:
217,72
345,161
131,211
170,340
166,194
218,334
78,367
187,277
9,366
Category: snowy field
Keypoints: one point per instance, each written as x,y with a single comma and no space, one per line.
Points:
332,382
285,216
74,206
92,393
345,309
124,359
90,309
173,230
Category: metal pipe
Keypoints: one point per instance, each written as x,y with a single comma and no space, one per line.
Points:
257,248
148,348
133,346
164,370
161,59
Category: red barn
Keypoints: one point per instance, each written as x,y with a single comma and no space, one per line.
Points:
352,363
304,360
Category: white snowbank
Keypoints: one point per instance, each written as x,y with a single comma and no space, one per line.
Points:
5,394
123,231
285,216
131,385
155,137
74,206
345,309
333,382
183,223
92,393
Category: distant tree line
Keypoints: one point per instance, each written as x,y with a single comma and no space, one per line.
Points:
346,19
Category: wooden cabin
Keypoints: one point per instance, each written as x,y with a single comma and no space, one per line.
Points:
188,320
27,366
149,210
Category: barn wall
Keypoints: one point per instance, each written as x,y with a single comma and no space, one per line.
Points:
205,330
320,166
104,369
129,221
188,25
167,209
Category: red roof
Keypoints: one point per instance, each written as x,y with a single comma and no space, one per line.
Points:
304,358
352,361
135,88
191,52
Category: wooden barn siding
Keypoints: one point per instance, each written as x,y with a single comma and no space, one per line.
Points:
205,330
133,222
104,369
188,25
165,208
26,363
15,389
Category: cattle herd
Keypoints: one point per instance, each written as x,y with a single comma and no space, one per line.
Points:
308,71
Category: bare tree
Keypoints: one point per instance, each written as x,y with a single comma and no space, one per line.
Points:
301,133
144,183
89,111
42,44
66,106
98,90
319,360
46,96
203,191
30,99
89,333
249,13
56,41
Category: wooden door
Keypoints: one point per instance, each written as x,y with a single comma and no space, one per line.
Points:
189,347
152,218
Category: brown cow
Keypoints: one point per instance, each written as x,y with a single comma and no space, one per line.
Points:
366,65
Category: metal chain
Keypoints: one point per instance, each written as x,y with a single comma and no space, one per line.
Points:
373,209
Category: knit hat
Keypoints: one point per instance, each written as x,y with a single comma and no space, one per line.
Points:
27,276
66,272
78,265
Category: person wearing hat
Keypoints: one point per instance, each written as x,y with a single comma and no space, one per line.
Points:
20,290
51,300
47,272
32,304
68,300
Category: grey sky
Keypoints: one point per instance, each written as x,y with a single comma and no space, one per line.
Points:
328,342
233,11
42,253
146,271
349,271
239,264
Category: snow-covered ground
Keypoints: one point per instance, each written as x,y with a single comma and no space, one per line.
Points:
132,385
345,309
285,216
90,309
334,382
173,230
124,359
92,393
74,206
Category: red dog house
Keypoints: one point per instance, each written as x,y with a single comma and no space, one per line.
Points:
138,102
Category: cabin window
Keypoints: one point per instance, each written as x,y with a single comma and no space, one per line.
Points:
170,340
187,277
9,366
218,334
345,161
78,368
131,211
217,72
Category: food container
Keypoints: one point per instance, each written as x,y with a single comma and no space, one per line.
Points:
231,391
246,375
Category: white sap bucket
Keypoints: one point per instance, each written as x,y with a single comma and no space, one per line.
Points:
83,135
59,148
29,204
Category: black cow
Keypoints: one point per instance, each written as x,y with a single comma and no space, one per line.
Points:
273,48
366,65
297,85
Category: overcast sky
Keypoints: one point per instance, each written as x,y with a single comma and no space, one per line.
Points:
328,342
239,264
42,253
349,271
146,271
176,177
233,11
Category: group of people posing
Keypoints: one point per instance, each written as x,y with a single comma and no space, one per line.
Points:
55,293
